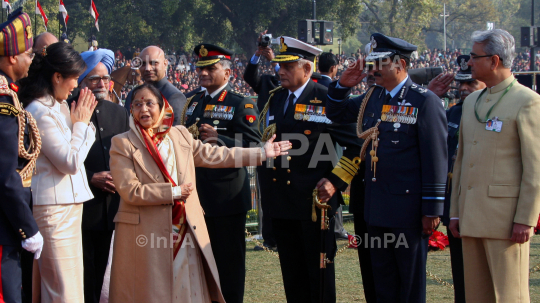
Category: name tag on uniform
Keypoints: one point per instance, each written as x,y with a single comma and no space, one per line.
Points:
270,118
494,124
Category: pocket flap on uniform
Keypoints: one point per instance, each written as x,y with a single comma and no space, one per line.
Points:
124,217
503,191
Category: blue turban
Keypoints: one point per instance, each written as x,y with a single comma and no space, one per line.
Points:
105,56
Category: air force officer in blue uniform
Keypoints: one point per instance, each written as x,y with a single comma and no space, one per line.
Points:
406,165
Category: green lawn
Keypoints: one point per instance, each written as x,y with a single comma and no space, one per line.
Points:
264,284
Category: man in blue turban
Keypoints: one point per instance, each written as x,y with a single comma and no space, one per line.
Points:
110,120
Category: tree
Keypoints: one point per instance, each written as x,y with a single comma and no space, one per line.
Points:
405,19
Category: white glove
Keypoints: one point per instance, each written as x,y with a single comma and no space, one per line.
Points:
34,245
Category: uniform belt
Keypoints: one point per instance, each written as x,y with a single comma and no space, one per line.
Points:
26,182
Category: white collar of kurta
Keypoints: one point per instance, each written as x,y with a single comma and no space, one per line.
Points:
297,93
217,91
501,86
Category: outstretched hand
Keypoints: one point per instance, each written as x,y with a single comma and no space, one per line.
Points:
353,75
274,149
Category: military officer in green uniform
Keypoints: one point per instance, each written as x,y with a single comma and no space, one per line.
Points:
222,116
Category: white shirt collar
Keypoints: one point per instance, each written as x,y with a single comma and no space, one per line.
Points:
396,89
297,93
217,91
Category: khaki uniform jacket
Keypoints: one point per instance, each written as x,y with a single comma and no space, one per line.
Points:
496,179
144,273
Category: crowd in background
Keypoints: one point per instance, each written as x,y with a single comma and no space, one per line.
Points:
181,71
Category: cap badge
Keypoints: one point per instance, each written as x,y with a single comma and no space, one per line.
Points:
283,46
373,43
203,51
463,64
29,32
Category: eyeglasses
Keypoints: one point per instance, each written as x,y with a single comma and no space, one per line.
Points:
474,57
140,104
31,55
96,79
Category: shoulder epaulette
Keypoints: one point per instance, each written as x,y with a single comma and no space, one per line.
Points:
276,89
233,92
418,88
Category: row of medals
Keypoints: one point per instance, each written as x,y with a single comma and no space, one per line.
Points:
398,119
220,114
312,118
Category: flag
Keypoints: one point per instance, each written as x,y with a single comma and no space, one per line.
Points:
94,13
64,12
5,4
40,11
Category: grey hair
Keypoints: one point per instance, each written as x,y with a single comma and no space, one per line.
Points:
497,42
226,64
303,62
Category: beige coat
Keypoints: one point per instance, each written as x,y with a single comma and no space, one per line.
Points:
496,179
144,272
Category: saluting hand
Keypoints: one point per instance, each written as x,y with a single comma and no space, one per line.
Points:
274,149
441,84
353,74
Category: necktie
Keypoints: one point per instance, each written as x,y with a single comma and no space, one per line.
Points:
387,99
289,108
207,99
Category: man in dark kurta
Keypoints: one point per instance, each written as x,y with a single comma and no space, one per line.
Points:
110,120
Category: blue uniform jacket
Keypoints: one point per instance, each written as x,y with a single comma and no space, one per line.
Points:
16,220
412,167
453,115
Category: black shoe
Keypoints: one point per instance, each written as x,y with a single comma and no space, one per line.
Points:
258,248
344,236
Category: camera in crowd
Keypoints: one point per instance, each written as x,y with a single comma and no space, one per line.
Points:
266,40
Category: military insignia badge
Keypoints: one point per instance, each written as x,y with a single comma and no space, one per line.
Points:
463,64
28,30
203,51
373,43
14,87
223,94
250,119
8,109
249,105
315,101
307,132
283,46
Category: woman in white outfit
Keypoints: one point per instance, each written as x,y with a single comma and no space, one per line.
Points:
59,185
